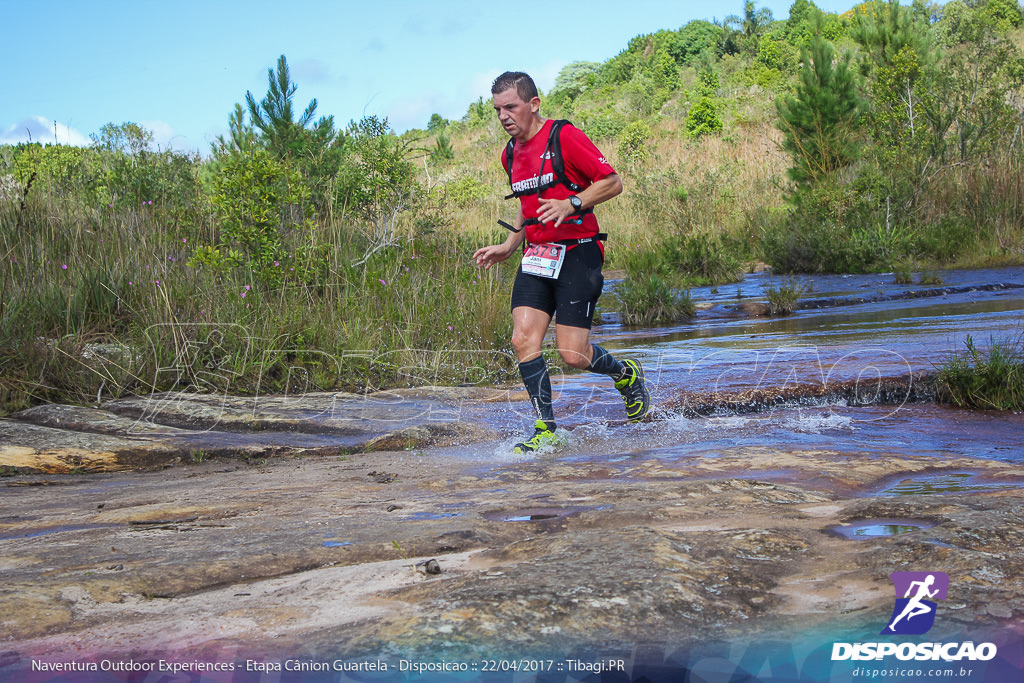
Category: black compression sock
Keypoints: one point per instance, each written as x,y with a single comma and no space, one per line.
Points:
604,363
538,385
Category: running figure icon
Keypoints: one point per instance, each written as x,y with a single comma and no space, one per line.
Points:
916,595
915,607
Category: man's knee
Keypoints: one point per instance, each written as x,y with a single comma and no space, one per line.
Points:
575,358
525,345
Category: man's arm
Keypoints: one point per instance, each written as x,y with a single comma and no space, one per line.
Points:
558,210
488,256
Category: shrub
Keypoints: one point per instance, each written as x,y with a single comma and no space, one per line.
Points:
902,275
649,299
442,149
695,259
604,126
995,382
782,300
633,142
703,118
465,190
254,195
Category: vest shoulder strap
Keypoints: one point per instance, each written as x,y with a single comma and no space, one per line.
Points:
554,147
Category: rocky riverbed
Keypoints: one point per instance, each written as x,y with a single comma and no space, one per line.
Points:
229,528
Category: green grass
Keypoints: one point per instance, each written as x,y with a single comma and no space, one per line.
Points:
416,313
782,299
992,381
650,300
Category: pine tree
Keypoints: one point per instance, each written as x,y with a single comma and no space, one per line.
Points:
275,117
820,123
887,30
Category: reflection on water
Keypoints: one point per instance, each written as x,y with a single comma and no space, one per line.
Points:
873,528
720,351
954,482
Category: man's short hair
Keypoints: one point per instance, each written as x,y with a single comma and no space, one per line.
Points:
524,85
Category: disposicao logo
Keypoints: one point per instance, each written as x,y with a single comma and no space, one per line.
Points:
916,593
914,614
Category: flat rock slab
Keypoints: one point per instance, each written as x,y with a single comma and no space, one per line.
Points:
325,556
27,448
169,428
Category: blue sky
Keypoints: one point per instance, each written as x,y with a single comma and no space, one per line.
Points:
178,67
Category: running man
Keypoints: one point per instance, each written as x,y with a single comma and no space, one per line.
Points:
559,176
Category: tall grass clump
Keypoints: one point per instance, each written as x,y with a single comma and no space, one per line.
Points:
783,299
991,382
649,299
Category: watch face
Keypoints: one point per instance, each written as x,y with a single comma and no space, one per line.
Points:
576,202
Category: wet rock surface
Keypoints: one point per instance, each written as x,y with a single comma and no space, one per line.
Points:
147,432
433,554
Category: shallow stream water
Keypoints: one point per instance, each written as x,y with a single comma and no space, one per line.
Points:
862,327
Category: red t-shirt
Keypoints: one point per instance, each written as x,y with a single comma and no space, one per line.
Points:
584,165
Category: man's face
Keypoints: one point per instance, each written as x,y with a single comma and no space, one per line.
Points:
515,115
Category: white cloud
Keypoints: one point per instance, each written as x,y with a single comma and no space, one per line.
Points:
41,129
546,76
415,110
482,85
164,136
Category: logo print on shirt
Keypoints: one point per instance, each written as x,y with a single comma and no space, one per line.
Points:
532,183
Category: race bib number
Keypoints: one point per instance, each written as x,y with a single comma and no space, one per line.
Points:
544,260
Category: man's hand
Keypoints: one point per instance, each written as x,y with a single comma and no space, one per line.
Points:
556,210
496,253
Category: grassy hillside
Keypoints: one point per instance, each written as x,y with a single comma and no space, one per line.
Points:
300,255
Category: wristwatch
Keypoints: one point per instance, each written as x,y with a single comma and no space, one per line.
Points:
576,202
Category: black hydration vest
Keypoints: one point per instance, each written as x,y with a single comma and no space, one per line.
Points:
553,151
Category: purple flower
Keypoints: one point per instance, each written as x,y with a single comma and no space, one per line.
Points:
384,283
247,288
64,266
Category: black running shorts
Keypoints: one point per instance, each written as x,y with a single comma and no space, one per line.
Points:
573,296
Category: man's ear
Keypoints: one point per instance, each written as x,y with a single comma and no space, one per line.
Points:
535,104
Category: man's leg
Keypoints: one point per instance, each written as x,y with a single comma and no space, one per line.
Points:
576,350
529,325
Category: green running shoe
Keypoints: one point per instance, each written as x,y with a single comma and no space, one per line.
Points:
634,391
543,435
